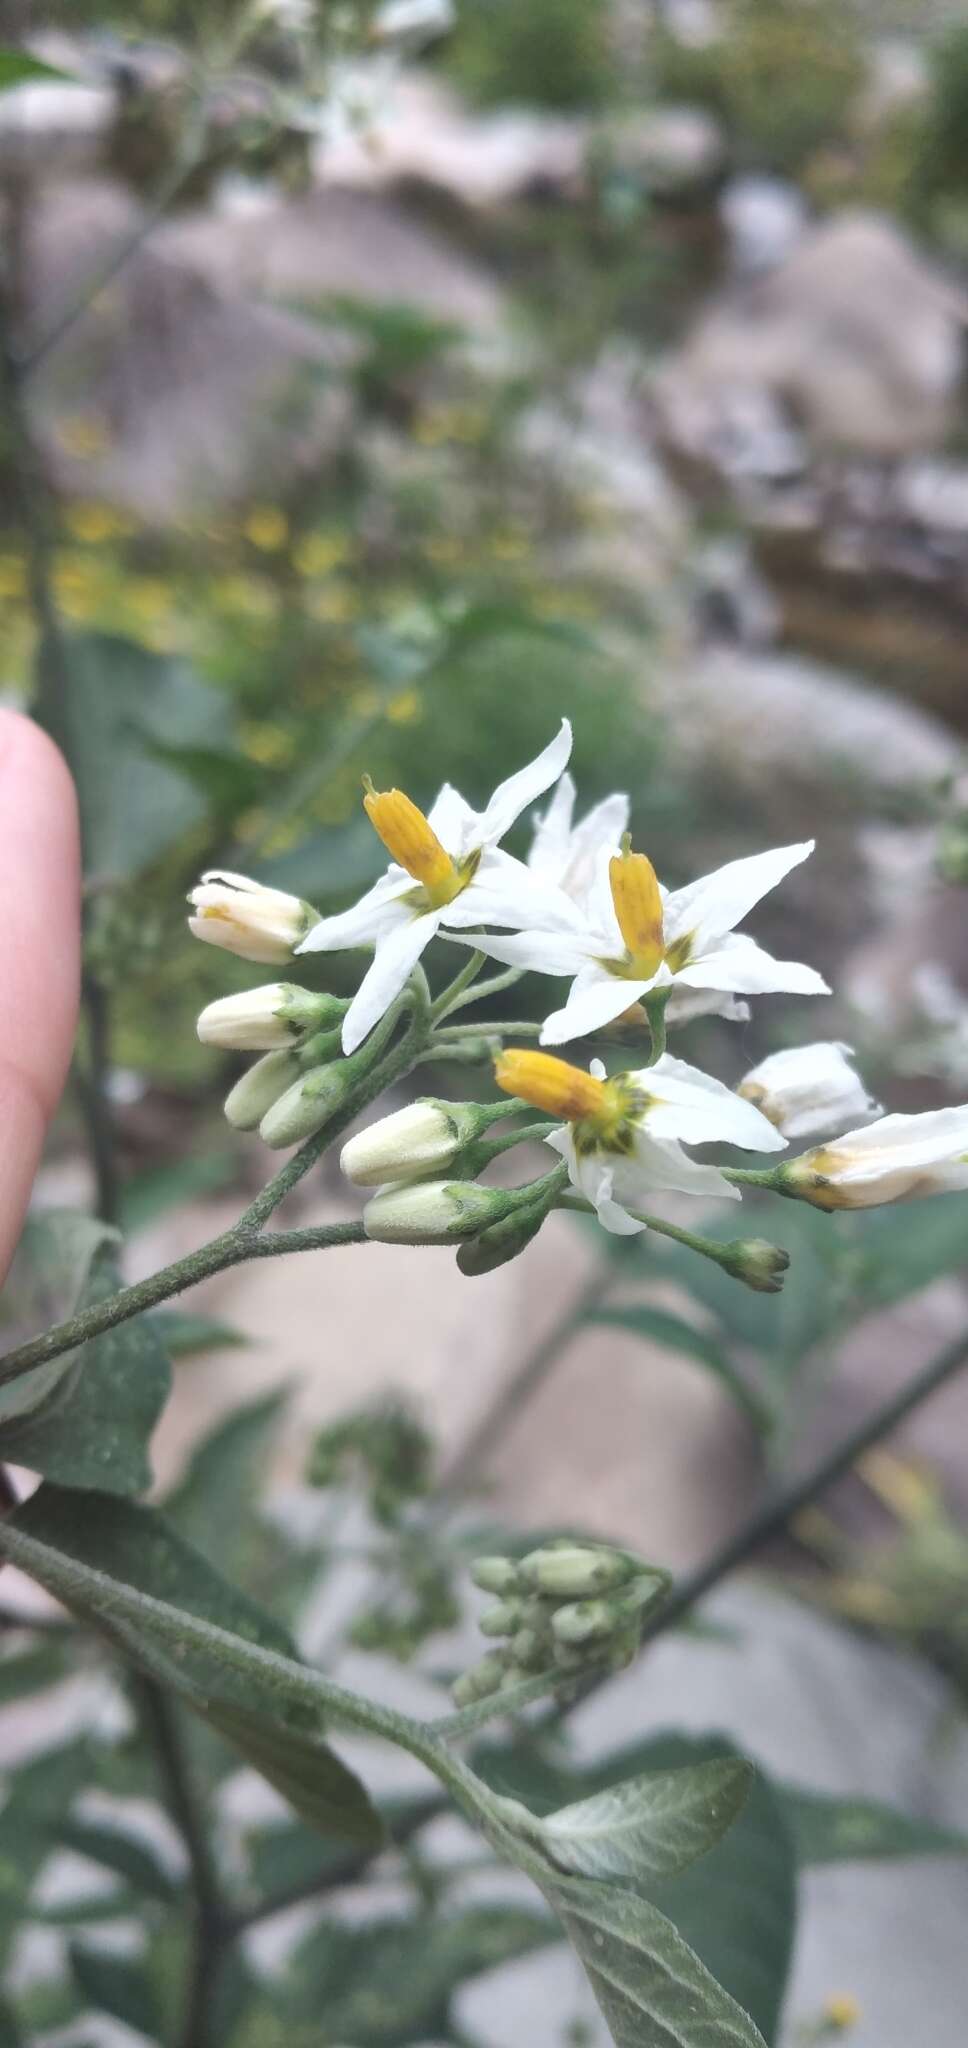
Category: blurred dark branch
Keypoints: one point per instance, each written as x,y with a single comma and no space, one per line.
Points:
186,160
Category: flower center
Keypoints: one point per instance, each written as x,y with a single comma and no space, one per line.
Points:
602,1113
410,840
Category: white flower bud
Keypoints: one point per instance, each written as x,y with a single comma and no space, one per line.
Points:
248,919
808,1088
256,1091
431,1211
263,1019
422,1138
894,1160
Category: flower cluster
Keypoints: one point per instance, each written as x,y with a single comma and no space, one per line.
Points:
559,1609
639,959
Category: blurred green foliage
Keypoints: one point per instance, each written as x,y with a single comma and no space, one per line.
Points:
781,76
553,55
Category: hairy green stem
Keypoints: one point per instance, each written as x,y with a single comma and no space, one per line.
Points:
450,997
268,1670
232,1248
494,986
517,1027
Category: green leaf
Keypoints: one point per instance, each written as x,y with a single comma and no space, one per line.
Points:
215,1501
31,1671
651,1986
184,1334
827,1829
83,1544
46,1284
38,1795
118,1985
116,1848
736,1907
93,1431
650,1827
900,1250
159,1189
123,701
18,67
674,1333
390,1982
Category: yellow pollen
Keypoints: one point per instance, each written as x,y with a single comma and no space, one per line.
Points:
551,1084
411,840
638,908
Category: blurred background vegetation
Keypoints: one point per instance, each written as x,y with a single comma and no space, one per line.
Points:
602,359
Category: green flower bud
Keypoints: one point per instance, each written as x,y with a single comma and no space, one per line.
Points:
531,1650
495,1574
481,1680
319,1049
583,1621
502,1240
573,1570
586,1621
431,1211
313,1100
756,1262
255,1092
503,1619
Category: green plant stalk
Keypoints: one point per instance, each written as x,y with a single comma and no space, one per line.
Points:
494,986
450,997
273,1672
244,1239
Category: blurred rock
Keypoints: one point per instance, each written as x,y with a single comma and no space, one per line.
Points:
166,392
337,244
767,717
855,334
426,136
765,218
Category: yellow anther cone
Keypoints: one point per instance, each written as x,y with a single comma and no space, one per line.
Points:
638,908
550,1084
409,838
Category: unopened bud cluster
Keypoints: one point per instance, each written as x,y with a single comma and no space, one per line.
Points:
558,1610
404,1157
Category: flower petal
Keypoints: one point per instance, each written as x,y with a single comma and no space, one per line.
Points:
515,794
661,1164
393,962
712,906
592,1003
454,822
542,952
505,892
366,921
552,833
694,1107
741,965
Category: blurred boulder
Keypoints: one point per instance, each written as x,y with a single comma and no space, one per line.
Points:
166,393
856,336
426,136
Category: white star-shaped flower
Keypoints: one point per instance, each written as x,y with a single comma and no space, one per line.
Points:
637,938
565,855
622,1138
447,872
